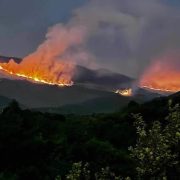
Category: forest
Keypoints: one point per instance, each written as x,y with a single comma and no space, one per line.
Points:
141,141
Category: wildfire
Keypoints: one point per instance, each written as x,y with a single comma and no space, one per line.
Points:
54,60
163,75
38,76
124,92
159,89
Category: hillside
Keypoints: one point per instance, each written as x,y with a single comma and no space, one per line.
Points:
106,104
92,78
41,95
93,92
101,79
89,85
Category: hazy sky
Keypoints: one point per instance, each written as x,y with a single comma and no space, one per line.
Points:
122,35
23,23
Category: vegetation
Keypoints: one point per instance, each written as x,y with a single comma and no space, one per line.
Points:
157,151
123,145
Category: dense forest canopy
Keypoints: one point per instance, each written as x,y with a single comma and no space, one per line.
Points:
35,145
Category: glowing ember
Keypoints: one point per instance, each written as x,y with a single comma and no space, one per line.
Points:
163,75
124,92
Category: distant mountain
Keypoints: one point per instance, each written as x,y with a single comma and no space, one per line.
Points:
41,95
34,95
96,79
106,104
155,109
93,92
101,79
164,100
143,95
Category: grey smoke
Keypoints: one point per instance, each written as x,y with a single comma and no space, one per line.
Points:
124,35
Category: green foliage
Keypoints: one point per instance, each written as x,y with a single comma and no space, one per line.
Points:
7,176
106,174
44,146
157,146
82,172
79,171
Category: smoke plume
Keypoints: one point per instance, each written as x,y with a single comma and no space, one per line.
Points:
126,35
122,35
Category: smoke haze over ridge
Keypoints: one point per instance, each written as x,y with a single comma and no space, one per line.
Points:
122,35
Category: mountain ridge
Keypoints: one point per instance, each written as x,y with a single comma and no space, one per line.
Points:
91,87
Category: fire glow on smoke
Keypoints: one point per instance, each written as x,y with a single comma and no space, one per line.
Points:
163,74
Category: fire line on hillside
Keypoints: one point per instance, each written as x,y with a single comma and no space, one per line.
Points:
38,77
163,74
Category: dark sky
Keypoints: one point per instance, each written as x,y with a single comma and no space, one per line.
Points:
123,35
23,23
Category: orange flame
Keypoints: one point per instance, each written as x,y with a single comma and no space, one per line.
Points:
39,75
53,62
124,92
163,74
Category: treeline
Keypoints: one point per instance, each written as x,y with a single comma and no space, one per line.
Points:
123,145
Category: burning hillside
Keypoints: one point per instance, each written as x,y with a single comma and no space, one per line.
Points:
60,76
53,62
163,74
